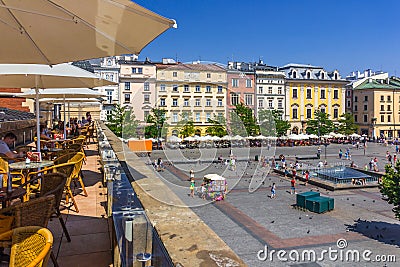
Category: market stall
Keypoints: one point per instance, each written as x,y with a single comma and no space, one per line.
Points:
216,186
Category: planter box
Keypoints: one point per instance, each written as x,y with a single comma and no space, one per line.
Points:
302,197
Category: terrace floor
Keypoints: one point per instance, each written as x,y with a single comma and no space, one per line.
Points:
89,229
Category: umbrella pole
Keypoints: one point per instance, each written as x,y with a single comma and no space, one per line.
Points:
37,118
65,123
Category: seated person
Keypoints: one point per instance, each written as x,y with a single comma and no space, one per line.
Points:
5,144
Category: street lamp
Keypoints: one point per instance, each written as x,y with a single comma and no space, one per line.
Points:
158,137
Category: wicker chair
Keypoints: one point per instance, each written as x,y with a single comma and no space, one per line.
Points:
75,176
64,158
31,246
34,212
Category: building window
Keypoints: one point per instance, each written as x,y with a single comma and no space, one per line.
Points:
174,88
197,117
348,93
127,98
270,103
162,87
140,70
382,107
146,98
279,90
146,114
336,76
365,107
174,74
197,88
294,93
308,75
348,103
294,74
174,102
208,89
174,117
248,100
388,98
260,90
308,115
323,110
219,89
382,98
270,90
355,118
208,116
186,88
208,102
235,82
280,103
309,96
294,113
219,102
162,102
389,118
322,75
249,83
335,113
366,98
127,86
388,107
382,118
365,118
234,99
208,75
322,93
197,102
186,102
335,94
355,99
355,108
146,86
109,97
133,70
260,103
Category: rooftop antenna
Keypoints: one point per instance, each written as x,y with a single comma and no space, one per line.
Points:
176,57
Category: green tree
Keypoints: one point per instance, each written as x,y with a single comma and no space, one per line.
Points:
347,124
242,121
157,120
186,128
390,187
218,127
130,125
321,125
271,123
116,120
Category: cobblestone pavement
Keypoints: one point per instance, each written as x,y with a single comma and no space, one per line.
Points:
248,222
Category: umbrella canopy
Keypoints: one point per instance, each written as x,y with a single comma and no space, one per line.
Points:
237,137
215,138
260,137
52,32
189,139
70,94
355,135
214,177
313,136
174,139
43,76
226,138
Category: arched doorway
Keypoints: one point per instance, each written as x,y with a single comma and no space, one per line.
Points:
175,132
197,132
295,130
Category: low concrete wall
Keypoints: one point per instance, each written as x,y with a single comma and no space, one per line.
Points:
188,240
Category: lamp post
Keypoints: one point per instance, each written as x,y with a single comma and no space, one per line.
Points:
158,136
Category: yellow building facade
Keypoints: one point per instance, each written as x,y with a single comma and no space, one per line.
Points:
191,92
308,89
376,108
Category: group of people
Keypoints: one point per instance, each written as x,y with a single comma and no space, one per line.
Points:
347,154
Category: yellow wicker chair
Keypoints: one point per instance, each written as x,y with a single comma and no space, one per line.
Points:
31,246
75,176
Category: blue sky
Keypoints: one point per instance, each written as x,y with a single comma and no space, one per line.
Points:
344,34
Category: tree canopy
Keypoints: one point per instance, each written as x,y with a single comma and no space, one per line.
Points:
321,125
218,127
116,120
347,124
242,121
271,123
390,187
157,120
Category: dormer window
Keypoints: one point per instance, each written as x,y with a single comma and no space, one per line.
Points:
335,75
308,75
294,74
322,76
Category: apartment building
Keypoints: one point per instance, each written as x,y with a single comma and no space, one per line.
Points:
191,92
376,107
310,88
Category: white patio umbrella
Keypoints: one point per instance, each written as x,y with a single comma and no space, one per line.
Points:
43,76
226,138
52,32
174,139
313,136
260,137
354,135
215,138
237,137
189,139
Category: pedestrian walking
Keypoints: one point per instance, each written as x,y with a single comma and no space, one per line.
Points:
340,153
191,174
192,185
273,189
306,176
292,186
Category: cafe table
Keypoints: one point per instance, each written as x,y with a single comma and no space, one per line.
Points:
28,167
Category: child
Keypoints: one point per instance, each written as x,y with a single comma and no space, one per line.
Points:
273,189
292,188
192,187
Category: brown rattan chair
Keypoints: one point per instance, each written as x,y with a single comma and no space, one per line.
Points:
31,246
34,212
